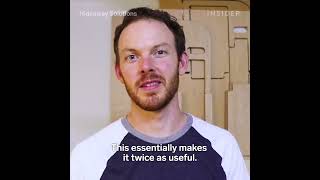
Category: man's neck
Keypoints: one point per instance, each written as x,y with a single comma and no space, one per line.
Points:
163,123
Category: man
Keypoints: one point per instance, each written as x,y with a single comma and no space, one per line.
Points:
156,140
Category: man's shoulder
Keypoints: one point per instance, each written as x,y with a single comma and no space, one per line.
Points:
207,129
112,133
220,138
89,157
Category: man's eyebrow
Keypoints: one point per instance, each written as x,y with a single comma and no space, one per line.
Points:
161,44
128,49
154,47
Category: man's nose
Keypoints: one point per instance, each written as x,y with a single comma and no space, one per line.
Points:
146,64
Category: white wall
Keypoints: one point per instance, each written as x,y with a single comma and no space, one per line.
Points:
90,61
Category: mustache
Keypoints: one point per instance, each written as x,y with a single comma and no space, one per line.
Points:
149,76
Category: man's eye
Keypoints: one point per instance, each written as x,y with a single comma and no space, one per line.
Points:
160,53
132,58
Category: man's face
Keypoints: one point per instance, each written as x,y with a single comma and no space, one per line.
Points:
148,64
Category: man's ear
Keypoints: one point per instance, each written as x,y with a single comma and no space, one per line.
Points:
183,63
118,73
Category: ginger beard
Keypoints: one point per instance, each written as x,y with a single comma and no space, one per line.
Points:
153,101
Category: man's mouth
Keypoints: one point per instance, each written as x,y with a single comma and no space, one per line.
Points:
150,84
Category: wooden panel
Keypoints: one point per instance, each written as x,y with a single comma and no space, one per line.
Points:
192,95
241,20
178,13
197,69
217,26
208,107
239,62
219,89
198,47
179,4
170,4
239,115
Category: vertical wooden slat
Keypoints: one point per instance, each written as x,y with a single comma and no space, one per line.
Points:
239,115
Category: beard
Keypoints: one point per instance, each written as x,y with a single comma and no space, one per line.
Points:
154,101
